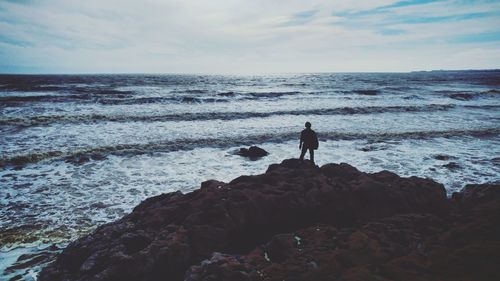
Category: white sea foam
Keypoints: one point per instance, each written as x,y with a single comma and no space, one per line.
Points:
72,165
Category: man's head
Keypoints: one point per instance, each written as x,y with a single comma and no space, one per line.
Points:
308,125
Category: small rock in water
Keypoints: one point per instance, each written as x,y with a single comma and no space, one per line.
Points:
452,166
374,147
98,205
252,152
443,157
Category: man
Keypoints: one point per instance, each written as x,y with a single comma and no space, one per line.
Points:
308,140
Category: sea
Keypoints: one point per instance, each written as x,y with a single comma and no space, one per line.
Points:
79,151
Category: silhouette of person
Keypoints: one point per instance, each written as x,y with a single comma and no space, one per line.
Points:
308,141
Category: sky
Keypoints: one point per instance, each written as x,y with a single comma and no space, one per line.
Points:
247,36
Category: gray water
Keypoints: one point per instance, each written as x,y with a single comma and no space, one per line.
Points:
78,151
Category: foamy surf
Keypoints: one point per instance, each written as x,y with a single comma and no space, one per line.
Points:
80,151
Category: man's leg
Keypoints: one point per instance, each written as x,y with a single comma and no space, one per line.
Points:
311,154
304,149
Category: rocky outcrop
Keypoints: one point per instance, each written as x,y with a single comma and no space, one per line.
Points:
253,152
295,222
463,245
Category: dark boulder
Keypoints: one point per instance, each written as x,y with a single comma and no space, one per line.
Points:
253,152
443,157
452,166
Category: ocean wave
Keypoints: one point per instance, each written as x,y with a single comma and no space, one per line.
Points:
190,91
368,92
413,97
100,96
399,88
84,155
485,106
15,100
295,84
493,91
272,94
200,100
226,94
217,98
469,95
111,97
92,118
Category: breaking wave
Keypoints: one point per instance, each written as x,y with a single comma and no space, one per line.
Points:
80,156
91,118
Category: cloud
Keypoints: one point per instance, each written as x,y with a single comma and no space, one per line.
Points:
236,36
409,3
301,18
476,37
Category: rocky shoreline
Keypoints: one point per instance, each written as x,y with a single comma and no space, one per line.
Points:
297,222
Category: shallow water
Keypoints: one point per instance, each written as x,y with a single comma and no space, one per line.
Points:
80,151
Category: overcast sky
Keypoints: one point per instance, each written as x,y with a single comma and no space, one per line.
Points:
247,36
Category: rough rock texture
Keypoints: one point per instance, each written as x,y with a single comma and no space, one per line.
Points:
253,152
297,222
463,245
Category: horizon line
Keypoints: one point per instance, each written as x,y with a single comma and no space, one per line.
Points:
239,74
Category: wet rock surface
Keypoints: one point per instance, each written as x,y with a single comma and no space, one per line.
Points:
443,157
452,166
253,152
297,222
